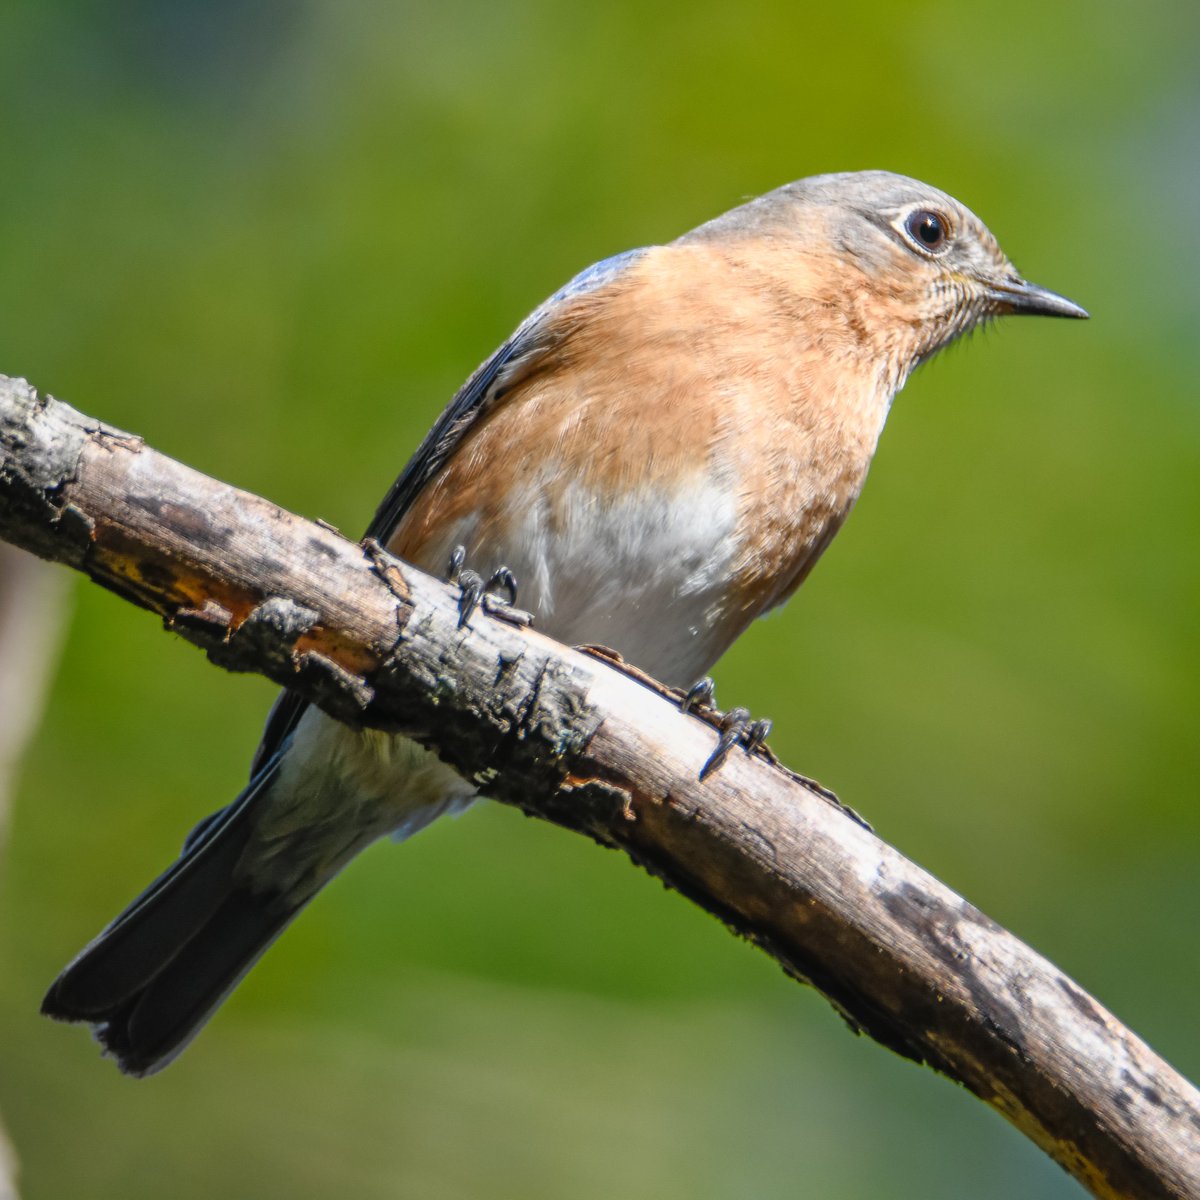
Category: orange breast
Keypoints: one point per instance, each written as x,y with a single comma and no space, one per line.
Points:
696,380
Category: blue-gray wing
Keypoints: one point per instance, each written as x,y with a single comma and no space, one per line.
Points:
487,385
532,338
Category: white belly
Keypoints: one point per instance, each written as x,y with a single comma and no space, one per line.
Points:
646,578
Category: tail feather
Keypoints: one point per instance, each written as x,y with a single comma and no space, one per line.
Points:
148,1029
150,981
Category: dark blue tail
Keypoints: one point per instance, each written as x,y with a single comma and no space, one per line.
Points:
149,982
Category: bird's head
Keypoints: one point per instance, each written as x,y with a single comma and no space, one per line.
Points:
904,264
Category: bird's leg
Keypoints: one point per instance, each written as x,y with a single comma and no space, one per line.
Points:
736,725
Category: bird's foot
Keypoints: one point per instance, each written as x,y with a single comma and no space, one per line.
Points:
468,582
702,694
497,595
736,726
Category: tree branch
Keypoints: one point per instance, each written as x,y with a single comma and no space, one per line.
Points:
599,749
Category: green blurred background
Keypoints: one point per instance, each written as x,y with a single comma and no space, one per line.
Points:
273,238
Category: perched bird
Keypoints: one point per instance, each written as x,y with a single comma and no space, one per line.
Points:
660,453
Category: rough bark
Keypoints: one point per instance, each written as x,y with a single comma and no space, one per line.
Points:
597,748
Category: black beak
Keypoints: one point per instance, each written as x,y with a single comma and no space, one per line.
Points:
1021,298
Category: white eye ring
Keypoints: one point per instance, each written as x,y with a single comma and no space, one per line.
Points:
928,230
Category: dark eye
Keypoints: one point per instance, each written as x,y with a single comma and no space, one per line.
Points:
926,228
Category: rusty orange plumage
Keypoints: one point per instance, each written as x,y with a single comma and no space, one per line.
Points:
661,452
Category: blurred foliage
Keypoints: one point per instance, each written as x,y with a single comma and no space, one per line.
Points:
273,238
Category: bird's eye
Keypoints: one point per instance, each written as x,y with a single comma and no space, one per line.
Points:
927,229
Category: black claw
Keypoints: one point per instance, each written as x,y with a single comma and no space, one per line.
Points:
471,592
736,726
502,577
757,734
733,725
475,593
701,694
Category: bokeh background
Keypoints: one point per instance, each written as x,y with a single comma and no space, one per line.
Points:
273,238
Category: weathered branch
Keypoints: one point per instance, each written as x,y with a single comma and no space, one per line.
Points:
565,736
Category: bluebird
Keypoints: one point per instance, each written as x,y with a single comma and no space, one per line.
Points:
660,453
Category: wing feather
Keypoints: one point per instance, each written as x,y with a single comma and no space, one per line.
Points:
485,388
